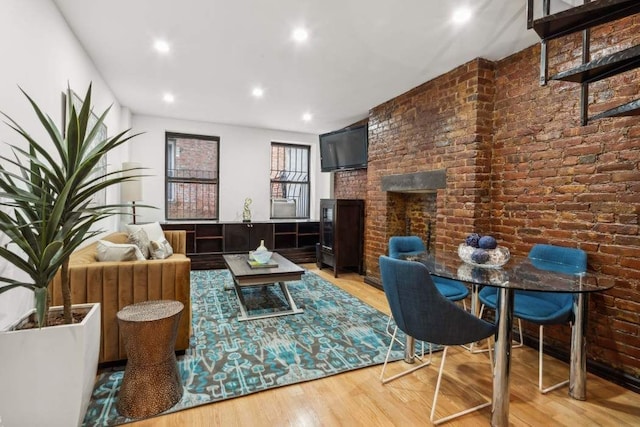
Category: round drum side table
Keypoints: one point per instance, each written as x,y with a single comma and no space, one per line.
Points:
151,382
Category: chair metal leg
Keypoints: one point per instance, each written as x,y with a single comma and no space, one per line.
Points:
517,345
388,330
408,371
540,367
521,343
469,347
389,325
435,397
472,345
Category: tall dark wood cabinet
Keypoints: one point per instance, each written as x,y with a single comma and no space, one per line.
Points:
341,234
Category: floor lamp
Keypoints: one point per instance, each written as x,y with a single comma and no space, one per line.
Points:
131,189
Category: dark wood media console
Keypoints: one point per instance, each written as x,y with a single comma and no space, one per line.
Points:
207,241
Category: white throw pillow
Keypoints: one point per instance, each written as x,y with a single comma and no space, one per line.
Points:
108,251
153,230
161,249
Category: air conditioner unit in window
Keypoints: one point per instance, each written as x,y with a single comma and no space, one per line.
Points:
283,208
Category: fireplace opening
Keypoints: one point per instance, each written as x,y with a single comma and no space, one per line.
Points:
412,214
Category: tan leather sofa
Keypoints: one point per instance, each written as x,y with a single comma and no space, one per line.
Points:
118,284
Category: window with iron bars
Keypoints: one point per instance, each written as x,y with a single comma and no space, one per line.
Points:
290,189
191,178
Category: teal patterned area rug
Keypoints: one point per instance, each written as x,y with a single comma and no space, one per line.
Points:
227,358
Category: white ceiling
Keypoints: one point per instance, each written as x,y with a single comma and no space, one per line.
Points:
360,53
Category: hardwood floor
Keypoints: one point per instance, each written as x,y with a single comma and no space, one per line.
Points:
358,398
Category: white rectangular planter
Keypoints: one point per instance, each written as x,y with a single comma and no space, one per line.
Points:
47,375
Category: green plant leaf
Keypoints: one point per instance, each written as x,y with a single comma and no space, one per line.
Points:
48,189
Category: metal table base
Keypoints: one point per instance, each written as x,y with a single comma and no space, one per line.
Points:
502,368
244,313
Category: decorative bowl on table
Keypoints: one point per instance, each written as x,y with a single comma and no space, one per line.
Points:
482,275
483,252
262,257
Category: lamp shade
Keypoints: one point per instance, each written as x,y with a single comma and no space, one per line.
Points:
131,190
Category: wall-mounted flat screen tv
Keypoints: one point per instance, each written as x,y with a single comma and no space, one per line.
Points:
344,149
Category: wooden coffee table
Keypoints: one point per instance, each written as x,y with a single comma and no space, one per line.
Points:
244,275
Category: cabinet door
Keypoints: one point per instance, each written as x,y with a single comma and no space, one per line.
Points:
237,237
261,232
327,212
347,233
246,237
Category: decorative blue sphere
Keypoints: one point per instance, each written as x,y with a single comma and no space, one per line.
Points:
480,256
472,240
487,242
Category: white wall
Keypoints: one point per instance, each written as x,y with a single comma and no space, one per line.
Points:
42,56
245,155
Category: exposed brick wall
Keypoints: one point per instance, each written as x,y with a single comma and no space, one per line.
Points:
557,182
520,166
350,184
442,124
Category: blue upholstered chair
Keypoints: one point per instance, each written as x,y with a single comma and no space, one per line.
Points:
402,246
544,308
422,312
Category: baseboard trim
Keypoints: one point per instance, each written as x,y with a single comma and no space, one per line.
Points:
373,282
606,372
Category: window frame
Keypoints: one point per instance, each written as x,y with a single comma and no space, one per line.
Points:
307,182
170,181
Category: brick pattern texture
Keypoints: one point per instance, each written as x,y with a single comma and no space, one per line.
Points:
350,184
522,168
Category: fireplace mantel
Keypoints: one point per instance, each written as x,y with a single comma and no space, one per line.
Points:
419,182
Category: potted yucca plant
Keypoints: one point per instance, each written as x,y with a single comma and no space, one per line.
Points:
47,190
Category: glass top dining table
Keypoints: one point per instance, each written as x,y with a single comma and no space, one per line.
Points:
522,273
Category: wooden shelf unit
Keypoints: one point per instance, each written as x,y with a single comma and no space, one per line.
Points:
209,238
208,241
285,235
308,234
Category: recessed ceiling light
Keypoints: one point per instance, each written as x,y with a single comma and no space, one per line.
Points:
300,34
257,92
168,98
461,15
307,117
161,46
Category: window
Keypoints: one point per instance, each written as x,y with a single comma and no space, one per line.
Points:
290,189
191,179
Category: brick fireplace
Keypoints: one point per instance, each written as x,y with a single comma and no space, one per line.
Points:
518,164
429,163
413,214
411,202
